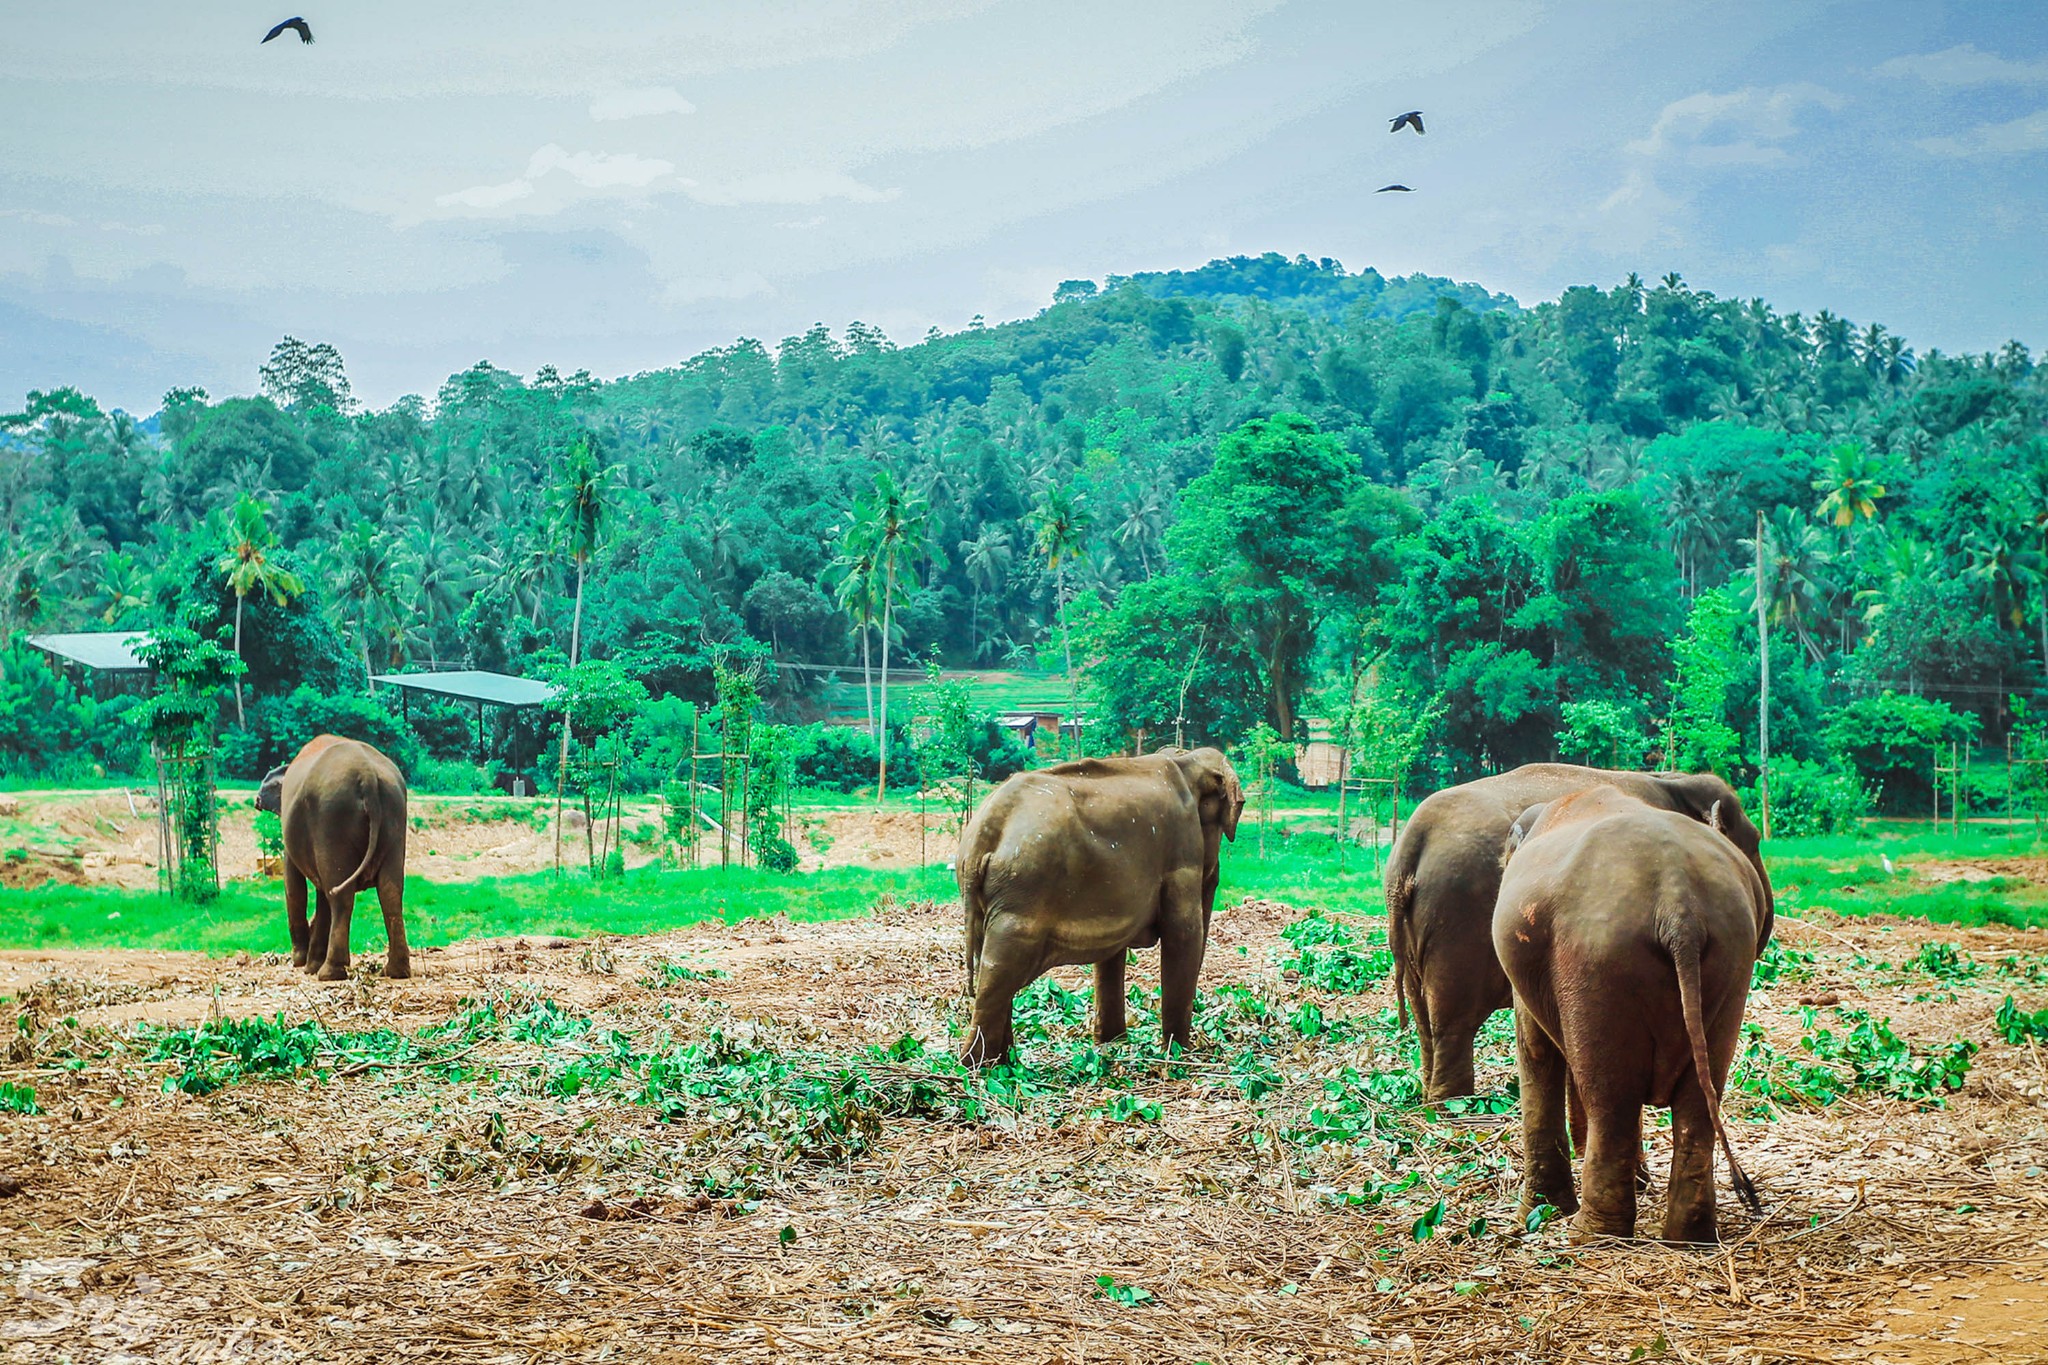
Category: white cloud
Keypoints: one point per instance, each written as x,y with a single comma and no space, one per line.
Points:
592,170
1741,127
2026,134
791,187
640,102
1965,65
599,170
486,196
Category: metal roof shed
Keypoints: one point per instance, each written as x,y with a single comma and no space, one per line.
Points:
476,686
103,651
486,689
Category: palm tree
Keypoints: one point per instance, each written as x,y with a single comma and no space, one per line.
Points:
122,586
580,508
1895,362
1793,554
248,567
1061,527
987,561
367,572
851,577
442,578
1849,485
890,524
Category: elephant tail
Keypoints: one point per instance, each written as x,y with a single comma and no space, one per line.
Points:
1685,955
366,870
974,894
1400,882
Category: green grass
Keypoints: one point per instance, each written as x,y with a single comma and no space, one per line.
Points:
1841,874
250,915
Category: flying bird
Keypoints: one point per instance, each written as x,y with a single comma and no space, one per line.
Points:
1413,116
1402,188
304,30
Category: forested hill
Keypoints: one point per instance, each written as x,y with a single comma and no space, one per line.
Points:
1502,525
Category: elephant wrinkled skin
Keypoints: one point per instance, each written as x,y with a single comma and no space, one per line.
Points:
1443,876
1081,862
342,805
1629,934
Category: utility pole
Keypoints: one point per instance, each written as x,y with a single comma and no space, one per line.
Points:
1763,707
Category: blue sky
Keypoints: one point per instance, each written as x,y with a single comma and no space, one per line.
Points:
615,186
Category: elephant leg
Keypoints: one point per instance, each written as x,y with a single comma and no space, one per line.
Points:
1689,1206
1181,947
1575,1103
316,933
1614,1148
1109,998
391,899
1462,996
1546,1160
342,906
1005,970
295,912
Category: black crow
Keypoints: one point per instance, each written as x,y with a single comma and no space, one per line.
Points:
1413,116
1384,188
305,30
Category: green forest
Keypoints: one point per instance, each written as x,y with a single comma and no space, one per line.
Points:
1465,532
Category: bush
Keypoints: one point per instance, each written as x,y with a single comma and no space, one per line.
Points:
1810,798
1891,740
838,758
51,731
280,726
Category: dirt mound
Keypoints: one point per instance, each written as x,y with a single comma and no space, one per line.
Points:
2033,870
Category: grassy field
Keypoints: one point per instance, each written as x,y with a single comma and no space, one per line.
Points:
1842,875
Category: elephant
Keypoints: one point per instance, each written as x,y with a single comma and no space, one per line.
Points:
342,804
1629,934
1081,862
1444,873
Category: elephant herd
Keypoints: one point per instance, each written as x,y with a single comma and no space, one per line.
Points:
1618,913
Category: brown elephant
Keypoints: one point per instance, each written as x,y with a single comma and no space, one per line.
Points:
1443,876
1081,862
1629,934
342,805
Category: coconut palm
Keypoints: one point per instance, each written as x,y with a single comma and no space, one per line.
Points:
1061,527
1849,485
368,570
580,507
889,523
987,561
248,567
851,579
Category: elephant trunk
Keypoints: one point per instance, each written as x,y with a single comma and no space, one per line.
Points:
1685,956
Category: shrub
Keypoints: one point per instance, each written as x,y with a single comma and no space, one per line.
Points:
1810,798
279,727
1890,741
51,731
837,758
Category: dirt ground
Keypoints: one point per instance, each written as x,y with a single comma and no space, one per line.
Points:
369,1216
109,838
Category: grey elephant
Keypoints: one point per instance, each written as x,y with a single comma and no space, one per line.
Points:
1444,873
1081,862
342,805
1629,933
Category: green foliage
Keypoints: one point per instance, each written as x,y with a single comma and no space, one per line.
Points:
1780,963
2016,1025
1813,799
51,730
17,1099
278,727
1330,955
1868,1057
1129,1295
1602,734
269,834
1891,741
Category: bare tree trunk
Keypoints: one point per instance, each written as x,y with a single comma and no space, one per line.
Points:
882,740
1067,643
240,719
562,771
1763,709
867,671
368,683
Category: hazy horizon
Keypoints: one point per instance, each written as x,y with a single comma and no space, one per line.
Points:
618,190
